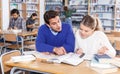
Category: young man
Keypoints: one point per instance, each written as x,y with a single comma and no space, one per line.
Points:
54,36
16,22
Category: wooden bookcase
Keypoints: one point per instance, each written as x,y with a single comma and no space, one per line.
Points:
0,15
107,10
26,8
82,9
117,15
54,5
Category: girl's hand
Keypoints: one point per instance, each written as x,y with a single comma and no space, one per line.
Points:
79,51
102,50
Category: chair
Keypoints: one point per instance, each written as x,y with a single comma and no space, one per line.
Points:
117,46
20,42
2,45
13,70
111,38
32,47
5,57
29,42
14,41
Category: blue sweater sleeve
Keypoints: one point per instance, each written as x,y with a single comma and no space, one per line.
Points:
70,41
41,46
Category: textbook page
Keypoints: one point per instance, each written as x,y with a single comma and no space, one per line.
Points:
69,58
74,59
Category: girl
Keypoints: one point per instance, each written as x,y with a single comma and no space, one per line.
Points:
30,23
91,40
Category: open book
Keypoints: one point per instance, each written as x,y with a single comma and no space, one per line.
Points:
70,58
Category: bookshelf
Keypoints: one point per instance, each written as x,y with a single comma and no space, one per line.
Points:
32,6
0,15
82,7
26,8
54,5
105,10
117,15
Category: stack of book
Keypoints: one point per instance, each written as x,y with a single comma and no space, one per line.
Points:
103,58
102,64
116,62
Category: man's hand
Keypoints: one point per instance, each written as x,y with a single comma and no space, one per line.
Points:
59,50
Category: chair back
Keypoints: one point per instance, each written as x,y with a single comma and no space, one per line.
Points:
10,37
116,33
117,45
6,57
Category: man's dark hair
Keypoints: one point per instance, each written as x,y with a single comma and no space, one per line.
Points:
13,11
33,14
50,14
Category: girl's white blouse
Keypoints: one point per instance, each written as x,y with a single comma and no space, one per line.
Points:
93,43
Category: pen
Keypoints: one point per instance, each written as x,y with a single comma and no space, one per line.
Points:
82,55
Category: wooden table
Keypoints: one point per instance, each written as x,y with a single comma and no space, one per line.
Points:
37,65
23,34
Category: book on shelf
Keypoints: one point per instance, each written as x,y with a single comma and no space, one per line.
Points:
104,58
105,1
118,23
33,2
16,0
78,2
32,8
70,58
15,6
118,2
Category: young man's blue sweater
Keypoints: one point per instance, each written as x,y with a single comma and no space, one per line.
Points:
46,41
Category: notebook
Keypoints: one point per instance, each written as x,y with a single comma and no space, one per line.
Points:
104,58
22,58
